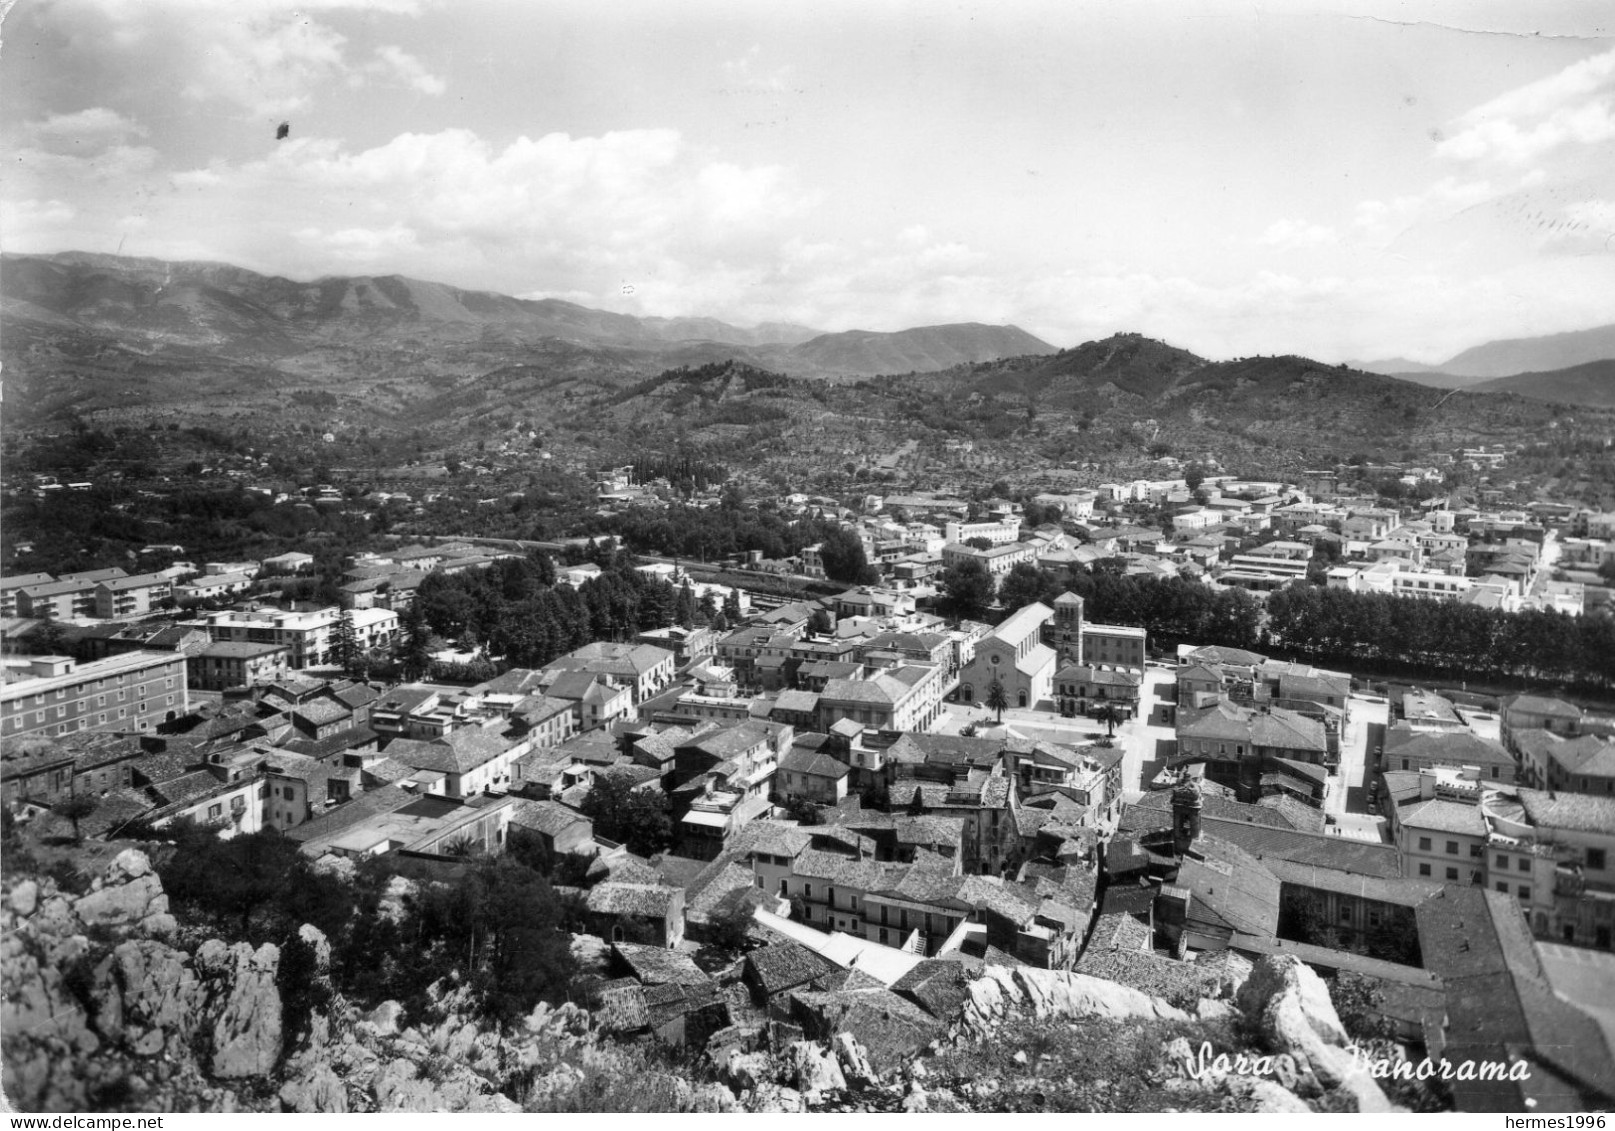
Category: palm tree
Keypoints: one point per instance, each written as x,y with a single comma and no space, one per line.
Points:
995,699
1110,715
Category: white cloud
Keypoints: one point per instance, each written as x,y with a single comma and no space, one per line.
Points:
553,213
264,57
95,126
399,65
1297,234
1574,107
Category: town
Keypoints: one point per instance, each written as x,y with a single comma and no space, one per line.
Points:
954,732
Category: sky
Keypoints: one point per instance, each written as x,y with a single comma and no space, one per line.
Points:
1353,180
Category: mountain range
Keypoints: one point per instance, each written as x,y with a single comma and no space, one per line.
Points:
213,306
1510,357
96,337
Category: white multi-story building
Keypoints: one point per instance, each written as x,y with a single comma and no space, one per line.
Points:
310,638
999,533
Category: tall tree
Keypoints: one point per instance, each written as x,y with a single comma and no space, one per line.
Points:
347,641
969,587
416,655
842,553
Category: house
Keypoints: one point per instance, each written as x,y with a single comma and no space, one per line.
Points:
1574,765
1235,741
1412,749
292,562
1081,689
651,914
219,667
470,759
997,561
645,670
904,698
561,831
808,773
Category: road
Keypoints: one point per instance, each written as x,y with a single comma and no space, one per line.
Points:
1346,803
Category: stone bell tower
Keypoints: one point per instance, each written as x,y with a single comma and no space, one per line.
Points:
1186,805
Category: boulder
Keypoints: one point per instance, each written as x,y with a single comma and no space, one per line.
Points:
1264,1095
385,1018
318,1090
775,1098
130,864
122,905
711,1098
747,1071
854,1061
813,1070
24,898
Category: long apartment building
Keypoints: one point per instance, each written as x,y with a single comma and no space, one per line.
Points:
309,638
51,696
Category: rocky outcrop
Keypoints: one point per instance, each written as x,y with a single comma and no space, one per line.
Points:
1003,992
245,1007
1298,1020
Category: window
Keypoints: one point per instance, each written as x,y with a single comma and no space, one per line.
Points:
1502,887
1525,891
1476,851
1452,848
1502,861
1424,869
807,891
215,811
1345,914
1452,873
1596,860
1525,863
237,803
1424,844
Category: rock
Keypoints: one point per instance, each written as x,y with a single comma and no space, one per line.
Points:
318,1091
130,864
854,1061
122,905
385,1018
1000,992
1292,1005
774,1098
1020,1058
1265,1095
712,1098
1214,1009
147,992
916,1101
247,1029
747,1071
1306,996
160,925
813,1070
24,898
316,941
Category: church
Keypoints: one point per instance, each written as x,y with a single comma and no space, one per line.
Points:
1014,654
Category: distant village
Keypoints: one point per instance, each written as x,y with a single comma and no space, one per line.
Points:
895,796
